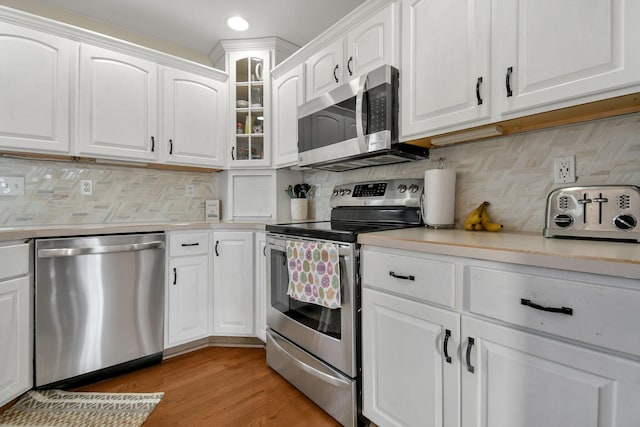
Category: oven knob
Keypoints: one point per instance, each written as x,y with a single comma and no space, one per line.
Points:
347,191
625,222
563,220
413,188
335,192
402,188
342,192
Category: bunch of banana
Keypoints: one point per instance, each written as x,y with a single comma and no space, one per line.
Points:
478,219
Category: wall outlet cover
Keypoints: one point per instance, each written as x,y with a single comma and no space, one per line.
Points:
11,186
86,187
564,169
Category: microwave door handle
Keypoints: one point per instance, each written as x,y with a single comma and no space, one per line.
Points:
362,86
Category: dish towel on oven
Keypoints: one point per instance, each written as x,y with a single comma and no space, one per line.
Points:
314,275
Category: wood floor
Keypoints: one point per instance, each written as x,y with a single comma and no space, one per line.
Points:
219,386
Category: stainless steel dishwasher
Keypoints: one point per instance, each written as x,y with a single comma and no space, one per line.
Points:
99,306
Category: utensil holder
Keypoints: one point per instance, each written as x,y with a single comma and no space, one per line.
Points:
298,209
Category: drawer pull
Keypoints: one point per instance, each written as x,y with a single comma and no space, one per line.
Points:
190,244
561,310
175,276
447,335
399,276
470,343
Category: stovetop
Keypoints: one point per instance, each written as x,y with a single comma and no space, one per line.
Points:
327,230
363,207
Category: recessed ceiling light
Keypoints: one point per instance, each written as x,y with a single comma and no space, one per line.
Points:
238,23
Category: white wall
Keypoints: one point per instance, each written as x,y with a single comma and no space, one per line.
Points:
515,173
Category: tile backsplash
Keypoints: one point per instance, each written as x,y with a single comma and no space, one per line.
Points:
513,173
120,194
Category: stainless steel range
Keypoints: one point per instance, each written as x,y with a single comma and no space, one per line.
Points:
594,212
317,348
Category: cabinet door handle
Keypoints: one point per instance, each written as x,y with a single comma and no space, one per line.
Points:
478,97
349,62
508,81
153,144
400,276
335,70
175,276
216,248
470,342
562,310
233,153
190,244
171,146
264,250
447,335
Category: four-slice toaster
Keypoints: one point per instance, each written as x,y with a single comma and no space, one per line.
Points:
596,212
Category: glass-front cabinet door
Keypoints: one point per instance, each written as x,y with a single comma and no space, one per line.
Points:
249,74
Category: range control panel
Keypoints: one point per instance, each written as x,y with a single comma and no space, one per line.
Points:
392,192
599,212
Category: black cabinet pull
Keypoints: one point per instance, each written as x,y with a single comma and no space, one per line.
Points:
478,90
562,310
233,153
191,244
216,248
447,335
264,250
153,144
349,62
175,276
171,146
400,276
335,70
470,343
508,81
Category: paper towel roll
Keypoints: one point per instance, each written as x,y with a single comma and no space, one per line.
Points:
439,197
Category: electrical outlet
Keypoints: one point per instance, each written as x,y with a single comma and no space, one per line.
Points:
191,190
564,169
11,186
86,187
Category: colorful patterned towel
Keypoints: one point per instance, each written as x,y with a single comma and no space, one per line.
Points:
314,275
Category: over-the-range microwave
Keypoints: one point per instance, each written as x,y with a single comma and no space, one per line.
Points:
355,125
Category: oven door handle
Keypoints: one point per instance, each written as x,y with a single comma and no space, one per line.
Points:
335,381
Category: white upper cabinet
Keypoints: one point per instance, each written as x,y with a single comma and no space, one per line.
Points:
445,64
118,105
286,88
34,90
551,54
370,44
194,119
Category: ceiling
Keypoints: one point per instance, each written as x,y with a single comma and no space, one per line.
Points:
198,25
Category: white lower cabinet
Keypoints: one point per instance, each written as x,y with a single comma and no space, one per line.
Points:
187,314
410,363
524,380
233,286
16,301
261,285
529,346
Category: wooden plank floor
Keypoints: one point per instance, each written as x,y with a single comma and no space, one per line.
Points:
219,386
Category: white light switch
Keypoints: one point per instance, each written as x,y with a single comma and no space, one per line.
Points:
11,186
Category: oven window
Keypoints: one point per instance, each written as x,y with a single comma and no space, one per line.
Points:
324,320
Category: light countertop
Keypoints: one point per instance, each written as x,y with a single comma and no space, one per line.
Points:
43,231
611,258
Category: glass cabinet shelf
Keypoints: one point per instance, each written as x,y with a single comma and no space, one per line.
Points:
249,109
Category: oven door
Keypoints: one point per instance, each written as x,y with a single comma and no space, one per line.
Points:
328,334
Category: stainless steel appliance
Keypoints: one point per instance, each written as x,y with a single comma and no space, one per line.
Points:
98,306
315,348
594,212
355,125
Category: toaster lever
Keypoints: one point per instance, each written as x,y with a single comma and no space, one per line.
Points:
600,200
584,202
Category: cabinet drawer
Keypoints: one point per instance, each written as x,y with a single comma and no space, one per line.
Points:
423,279
14,260
188,243
594,313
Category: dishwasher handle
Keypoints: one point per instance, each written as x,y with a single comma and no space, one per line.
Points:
90,250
